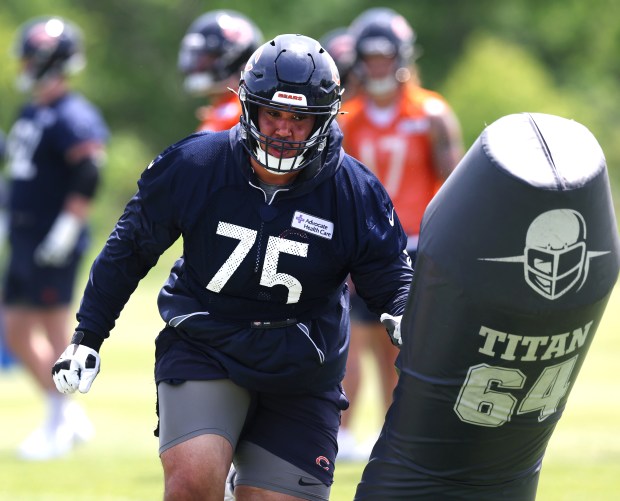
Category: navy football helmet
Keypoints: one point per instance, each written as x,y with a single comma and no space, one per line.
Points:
48,46
291,73
382,31
215,47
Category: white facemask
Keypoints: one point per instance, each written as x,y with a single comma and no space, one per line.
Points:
198,84
284,164
381,86
24,83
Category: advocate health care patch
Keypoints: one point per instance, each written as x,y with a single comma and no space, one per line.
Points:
312,224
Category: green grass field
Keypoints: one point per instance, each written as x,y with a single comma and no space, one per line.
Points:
121,462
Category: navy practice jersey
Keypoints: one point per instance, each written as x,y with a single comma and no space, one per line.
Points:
518,256
37,147
261,284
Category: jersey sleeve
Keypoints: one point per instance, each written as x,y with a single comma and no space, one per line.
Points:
381,269
78,122
149,225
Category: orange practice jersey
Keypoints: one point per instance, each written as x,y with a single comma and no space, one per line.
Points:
222,115
399,152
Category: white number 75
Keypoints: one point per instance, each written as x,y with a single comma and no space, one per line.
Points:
269,276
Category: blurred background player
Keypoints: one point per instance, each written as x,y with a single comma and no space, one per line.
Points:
54,151
213,52
411,139
7,359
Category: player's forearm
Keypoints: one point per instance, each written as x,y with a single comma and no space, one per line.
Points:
379,288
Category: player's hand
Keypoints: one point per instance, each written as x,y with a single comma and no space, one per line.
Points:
76,369
58,244
392,325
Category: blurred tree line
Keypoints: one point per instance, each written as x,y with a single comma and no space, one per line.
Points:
489,58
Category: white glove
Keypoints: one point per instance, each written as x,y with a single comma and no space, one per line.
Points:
392,325
59,241
76,369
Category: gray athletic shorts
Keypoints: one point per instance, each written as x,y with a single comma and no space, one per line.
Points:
220,407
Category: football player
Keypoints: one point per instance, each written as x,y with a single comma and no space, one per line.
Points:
518,255
410,138
54,153
213,52
273,215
